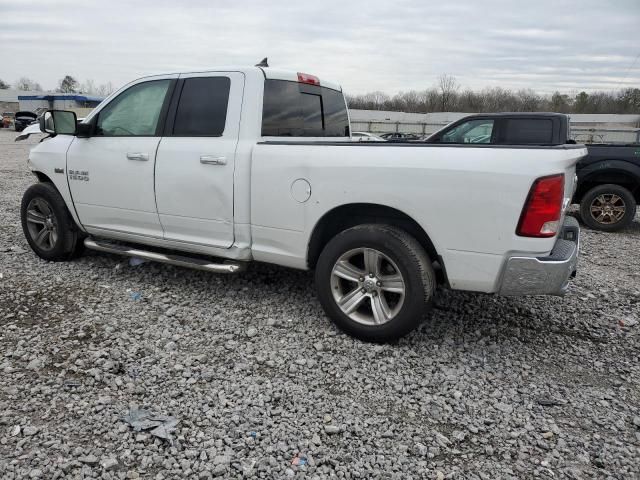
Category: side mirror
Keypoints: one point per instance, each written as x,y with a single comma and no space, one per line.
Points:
58,122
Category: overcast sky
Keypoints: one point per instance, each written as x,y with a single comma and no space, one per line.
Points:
545,45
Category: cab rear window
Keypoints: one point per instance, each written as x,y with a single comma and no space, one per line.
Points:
292,109
523,131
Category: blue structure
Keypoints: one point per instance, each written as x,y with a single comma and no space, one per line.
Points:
58,101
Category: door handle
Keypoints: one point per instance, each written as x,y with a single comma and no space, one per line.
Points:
212,160
138,156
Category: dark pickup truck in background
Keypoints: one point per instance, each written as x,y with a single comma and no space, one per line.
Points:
609,186
608,189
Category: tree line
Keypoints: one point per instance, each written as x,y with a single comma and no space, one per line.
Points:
446,96
449,96
67,84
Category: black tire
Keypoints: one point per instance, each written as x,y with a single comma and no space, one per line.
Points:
404,254
65,244
624,198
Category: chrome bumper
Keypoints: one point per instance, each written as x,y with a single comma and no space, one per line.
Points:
545,275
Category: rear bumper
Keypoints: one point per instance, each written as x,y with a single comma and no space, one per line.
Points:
544,275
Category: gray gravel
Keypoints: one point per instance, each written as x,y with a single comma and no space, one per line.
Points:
265,387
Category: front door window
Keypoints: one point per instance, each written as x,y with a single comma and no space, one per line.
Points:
135,112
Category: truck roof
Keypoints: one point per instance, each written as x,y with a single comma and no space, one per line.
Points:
268,72
517,114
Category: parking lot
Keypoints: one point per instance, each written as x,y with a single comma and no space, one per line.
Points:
264,386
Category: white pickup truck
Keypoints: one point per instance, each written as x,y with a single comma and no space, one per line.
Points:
215,169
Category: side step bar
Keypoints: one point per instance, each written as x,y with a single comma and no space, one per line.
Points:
189,262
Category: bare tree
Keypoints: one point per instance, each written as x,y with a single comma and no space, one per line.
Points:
448,87
629,100
104,89
68,85
446,97
88,86
560,102
27,85
4,85
529,101
431,99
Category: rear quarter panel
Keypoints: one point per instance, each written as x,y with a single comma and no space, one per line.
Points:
468,199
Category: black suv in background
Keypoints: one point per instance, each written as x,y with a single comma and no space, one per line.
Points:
23,119
608,188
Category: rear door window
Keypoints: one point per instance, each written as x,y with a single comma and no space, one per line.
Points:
523,131
292,109
202,108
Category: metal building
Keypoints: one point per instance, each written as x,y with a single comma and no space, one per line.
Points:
9,100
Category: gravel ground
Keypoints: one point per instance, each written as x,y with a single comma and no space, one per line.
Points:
264,386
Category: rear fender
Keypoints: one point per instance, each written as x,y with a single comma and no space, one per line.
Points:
614,171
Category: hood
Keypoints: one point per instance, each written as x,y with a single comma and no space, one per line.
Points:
30,130
26,115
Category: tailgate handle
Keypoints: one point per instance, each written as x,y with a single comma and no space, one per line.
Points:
213,160
138,156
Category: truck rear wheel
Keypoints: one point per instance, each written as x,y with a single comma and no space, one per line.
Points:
375,282
608,207
47,224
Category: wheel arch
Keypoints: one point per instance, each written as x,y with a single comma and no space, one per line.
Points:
349,215
43,178
617,172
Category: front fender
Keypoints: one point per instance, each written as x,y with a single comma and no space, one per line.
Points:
50,159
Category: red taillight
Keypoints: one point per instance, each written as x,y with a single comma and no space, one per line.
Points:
306,78
543,209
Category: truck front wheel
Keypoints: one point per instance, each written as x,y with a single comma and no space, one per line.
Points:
375,282
608,207
47,224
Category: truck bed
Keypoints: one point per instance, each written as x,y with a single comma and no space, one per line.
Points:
454,191
600,151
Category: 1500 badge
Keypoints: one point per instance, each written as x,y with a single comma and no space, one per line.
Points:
79,175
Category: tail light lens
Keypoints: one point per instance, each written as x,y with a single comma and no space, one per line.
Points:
542,211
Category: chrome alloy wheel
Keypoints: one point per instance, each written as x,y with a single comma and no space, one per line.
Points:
367,286
607,208
42,224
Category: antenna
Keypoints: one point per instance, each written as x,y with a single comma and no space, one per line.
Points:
263,63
